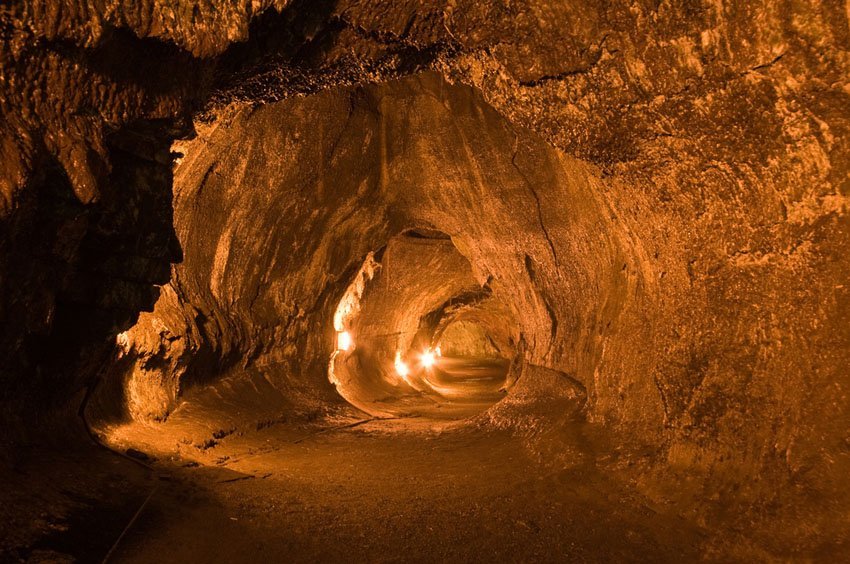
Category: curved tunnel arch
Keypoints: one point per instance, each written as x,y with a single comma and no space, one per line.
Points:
390,323
434,156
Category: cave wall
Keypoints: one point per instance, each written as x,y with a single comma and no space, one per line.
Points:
349,170
712,140
604,278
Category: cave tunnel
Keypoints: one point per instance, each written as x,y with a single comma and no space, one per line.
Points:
334,281
418,336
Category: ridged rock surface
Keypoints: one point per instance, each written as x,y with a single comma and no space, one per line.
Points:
658,190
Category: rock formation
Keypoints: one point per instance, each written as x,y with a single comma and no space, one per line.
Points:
639,209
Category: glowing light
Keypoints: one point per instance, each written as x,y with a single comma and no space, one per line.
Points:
427,359
438,352
344,341
400,367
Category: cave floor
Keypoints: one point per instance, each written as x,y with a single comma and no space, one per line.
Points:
343,489
390,491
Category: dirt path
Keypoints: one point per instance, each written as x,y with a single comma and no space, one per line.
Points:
372,494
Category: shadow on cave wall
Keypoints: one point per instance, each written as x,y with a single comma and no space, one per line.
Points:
83,272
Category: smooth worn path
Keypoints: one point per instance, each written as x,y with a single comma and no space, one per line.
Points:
384,491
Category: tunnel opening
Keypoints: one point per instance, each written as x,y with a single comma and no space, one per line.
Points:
416,335
469,363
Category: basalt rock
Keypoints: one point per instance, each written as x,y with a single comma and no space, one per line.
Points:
640,208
